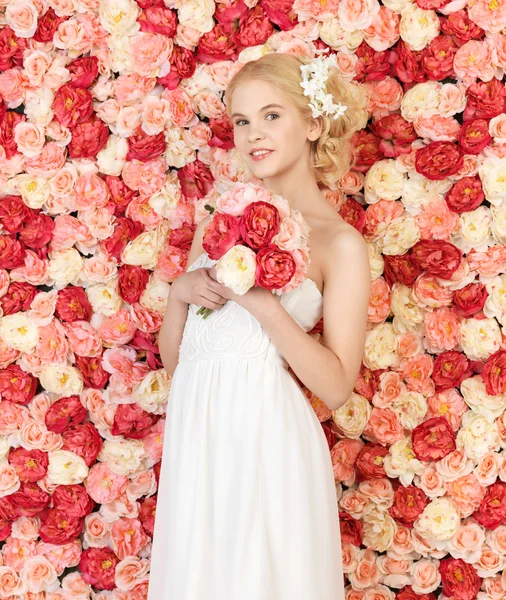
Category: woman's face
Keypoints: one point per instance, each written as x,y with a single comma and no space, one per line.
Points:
264,119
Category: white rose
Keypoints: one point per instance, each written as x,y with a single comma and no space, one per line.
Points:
112,158
123,457
178,153
492,173
408,315
383,182
422,100
5,447
166,200
376,261
418,190
145,248
480,337
474,230
104,298
121,60
400,235
155,295
152,393
38,106
61,379
64,267
119,16
197,14
237,269
34,190
411,408
379,530
495,304
439,520
401,462
477,435
498,226
353,416
418,27
66,468
18,331
332,34
381,347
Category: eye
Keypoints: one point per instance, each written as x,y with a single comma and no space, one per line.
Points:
275,114
239,121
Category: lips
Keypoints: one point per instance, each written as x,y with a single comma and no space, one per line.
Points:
260,150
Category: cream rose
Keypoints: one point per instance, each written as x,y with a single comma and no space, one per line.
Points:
119,16
34,190
145,248
168,198
64,267
112,158
379,530
492,173
418,27
439,520
105,298
422,100
495,304
18,331
236,269
381,347
353,416
408,314
480,337
66,468
155,295
411,408
61,379
399,236
474,230
337,38
401,462
476,397
477,435
383,181
197,14
123,457
152,392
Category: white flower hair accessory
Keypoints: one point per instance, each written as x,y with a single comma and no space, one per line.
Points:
314,77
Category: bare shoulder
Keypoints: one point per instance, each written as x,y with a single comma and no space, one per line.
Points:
343,243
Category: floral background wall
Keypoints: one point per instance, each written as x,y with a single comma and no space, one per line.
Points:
113,140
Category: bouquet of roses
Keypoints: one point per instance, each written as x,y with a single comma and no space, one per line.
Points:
258,240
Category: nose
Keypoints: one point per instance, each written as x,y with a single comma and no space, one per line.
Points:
255,133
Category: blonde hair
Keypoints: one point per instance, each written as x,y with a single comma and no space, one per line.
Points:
331,154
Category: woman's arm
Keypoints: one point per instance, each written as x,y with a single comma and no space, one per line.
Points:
329,370
171,330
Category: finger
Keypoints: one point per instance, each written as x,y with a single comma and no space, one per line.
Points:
212,273
210,296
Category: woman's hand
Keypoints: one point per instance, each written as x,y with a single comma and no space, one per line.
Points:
198,287
255,299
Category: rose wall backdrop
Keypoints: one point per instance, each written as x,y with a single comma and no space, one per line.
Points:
113,140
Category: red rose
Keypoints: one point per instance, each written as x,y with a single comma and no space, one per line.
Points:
182,237
432,4
5,529
195,178
459,578
88,138
492,374
433,439
131,421
402,268
83,71
485,100
470,299
92,371
396,135
465,195
30,499
7,125
259,223
11,49
125,230
474,136
409,502
437,57
144,147
13,211
16,385
437,257
373,65
223,133
147,512
352,530
19,296
58,527
228,15
37,230
64,412
281,13
84,440
72,105
120,194
367,381
72,500
12,253
254,28
353,213
492,511
370,461
98,567
182,66
408,66
30,465
47,25
158,19
132,281
330,436
72,304
439,160
146,343
407,593
221,234
460,26
275,268
450,369
367,150
216,45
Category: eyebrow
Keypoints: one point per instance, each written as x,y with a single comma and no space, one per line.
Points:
262,109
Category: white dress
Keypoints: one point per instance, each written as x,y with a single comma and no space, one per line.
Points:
247,506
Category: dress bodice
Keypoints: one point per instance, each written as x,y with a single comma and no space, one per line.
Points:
233,332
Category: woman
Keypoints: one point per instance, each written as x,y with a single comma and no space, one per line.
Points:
247,506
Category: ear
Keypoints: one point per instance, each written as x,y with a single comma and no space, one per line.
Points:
315,129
